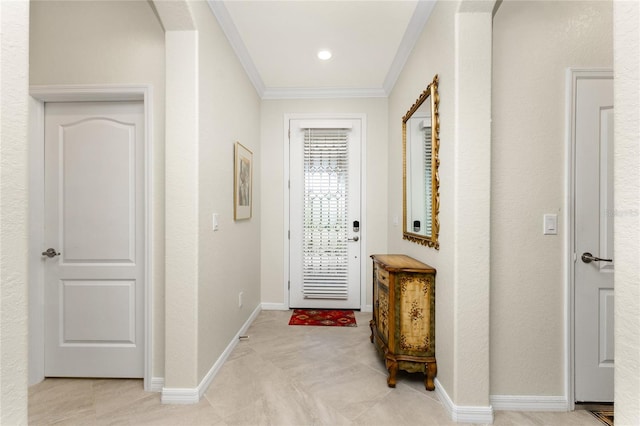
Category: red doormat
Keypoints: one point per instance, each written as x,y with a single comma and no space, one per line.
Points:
327,317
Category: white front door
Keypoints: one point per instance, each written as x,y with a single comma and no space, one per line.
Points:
594,216
94,228
325,231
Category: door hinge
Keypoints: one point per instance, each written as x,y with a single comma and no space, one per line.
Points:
289,133
288,285
289,184
288,235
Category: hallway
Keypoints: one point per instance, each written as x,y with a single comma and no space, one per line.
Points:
281,375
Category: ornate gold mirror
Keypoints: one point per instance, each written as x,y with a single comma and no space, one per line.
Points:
420,142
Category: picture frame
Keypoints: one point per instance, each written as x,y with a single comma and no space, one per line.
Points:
242,182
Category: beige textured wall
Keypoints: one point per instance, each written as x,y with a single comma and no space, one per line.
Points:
229,259
534,43
14,45
627,205
472,194
272,178
181,210
432,54
109,42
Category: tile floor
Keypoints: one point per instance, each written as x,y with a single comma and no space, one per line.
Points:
281,375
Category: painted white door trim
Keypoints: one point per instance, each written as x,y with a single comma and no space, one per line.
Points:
363,192
572,76
75,93
36,240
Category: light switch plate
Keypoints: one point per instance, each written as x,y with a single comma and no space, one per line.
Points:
550,222
215,221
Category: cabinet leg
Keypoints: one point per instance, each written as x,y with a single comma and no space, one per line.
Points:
371,325
429,375
392,367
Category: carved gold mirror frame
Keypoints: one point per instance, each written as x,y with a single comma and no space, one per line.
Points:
420,162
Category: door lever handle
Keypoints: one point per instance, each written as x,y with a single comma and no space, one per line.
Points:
588,258
51,252
356,238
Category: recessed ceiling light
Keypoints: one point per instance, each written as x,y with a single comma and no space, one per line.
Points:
324,55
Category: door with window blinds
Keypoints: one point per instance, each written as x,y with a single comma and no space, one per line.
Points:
426,134
324,207
418,174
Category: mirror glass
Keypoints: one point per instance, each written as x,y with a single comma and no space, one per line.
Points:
420,142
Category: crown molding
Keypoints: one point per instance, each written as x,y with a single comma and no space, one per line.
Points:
412,34
226,23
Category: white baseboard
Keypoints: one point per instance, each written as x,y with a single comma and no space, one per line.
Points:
274,307
215,369
529,403
179,396
157,383
367,308
462,413
193,395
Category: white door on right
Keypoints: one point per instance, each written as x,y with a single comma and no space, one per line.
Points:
594,216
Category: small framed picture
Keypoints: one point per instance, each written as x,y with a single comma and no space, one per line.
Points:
242,183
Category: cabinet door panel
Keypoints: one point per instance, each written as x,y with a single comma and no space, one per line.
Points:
415,323
383,312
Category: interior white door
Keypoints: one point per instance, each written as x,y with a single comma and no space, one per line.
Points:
325,231
594,216
94,230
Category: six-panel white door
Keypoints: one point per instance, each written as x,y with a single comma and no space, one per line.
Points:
94,224
594,215
325,243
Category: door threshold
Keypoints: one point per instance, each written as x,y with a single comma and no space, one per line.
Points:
594,406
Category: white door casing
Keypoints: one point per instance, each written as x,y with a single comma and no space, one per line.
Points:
95,218
302,290
593,297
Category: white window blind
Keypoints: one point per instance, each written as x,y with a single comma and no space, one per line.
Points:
427,178
326,184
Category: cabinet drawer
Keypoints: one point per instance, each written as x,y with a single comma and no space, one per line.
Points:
383,277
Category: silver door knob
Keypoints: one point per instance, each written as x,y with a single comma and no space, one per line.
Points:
51,252
588,258
356,238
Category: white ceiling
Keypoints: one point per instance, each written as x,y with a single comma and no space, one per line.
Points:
277,42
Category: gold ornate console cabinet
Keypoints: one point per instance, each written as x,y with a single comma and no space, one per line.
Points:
403,324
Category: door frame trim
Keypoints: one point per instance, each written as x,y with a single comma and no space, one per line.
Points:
85,93
570,256
363,194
